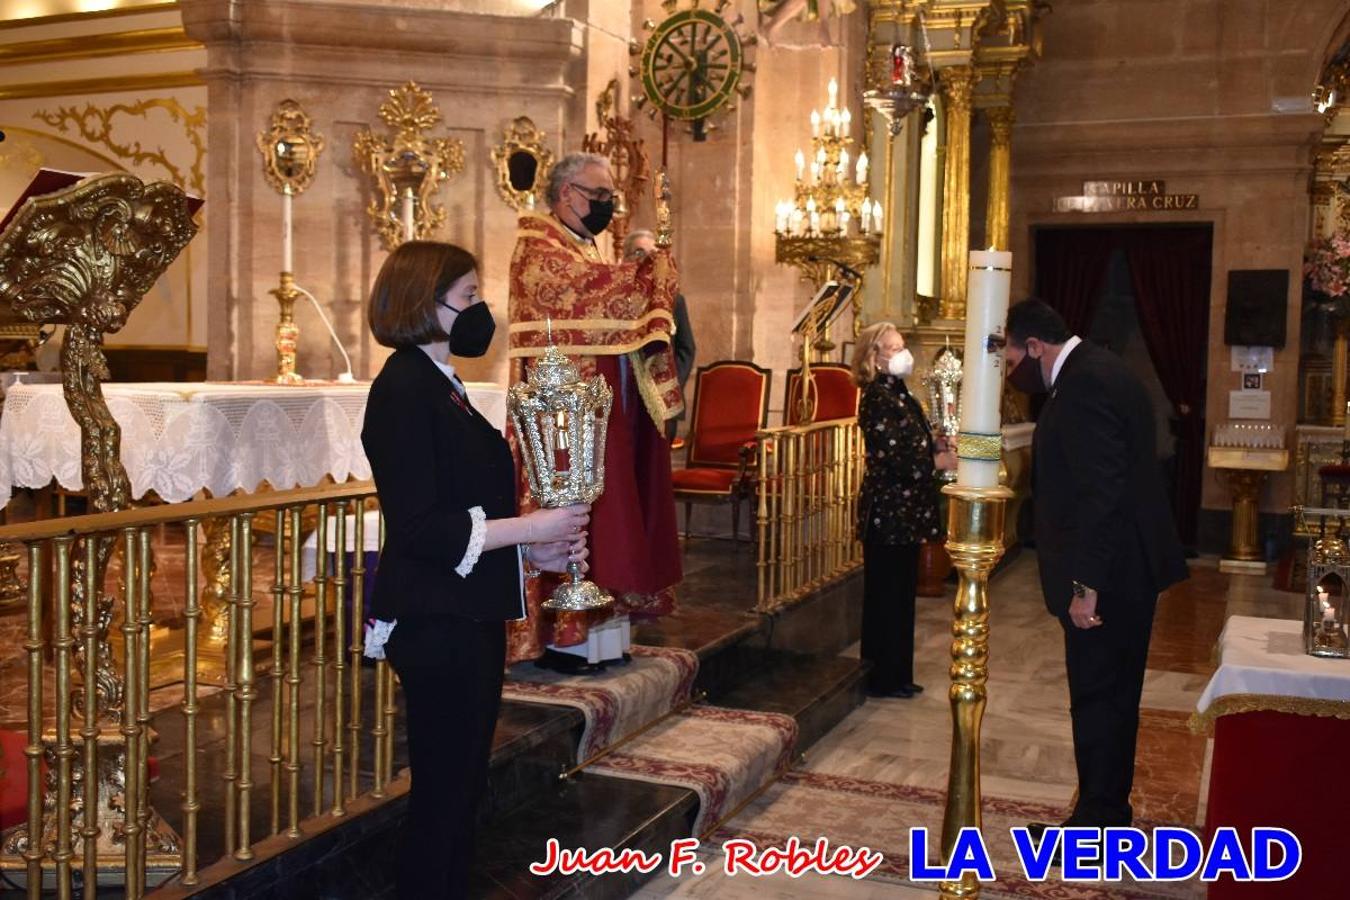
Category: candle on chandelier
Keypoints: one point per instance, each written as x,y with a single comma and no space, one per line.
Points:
845,119
287,260
877,218
815,123
833,88
865,223
861,170
843,164
779,218
815,223
980,442
800,160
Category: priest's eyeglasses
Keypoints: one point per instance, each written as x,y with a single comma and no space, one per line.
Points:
599,195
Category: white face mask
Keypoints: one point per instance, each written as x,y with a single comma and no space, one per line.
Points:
901,364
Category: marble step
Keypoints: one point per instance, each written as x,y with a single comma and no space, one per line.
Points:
817,691
588,811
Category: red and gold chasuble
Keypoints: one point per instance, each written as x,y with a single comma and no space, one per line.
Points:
600,313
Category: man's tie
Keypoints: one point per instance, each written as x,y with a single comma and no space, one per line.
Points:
458,394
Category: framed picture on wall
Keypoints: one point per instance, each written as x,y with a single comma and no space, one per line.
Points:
1251,381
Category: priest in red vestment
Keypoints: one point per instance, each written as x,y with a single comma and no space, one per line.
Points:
614,320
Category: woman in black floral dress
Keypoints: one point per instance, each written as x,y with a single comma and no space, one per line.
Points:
897,506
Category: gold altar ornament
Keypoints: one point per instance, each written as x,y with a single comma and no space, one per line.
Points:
84,257
407,165
1328,591
944,397
562,421
522,161
290,150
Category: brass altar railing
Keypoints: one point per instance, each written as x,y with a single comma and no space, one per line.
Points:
809,477
102,830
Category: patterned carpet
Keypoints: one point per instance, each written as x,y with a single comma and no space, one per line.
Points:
858,813
616,702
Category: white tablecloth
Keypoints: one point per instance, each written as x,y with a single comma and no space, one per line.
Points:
1265,656
181,438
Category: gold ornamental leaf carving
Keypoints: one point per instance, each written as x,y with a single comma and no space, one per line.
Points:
407,161
96,125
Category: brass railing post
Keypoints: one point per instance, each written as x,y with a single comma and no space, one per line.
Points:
293,683
231,775
339,657
277,675
63,642
243,649
37,584
975,541
358,634
320,740
192,613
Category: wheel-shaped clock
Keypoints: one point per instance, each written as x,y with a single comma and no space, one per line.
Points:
693,64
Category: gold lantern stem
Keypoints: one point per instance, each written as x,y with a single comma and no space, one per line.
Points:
975,541
288,333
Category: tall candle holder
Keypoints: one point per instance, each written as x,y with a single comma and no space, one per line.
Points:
290,150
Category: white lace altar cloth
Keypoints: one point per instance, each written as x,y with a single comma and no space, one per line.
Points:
181,438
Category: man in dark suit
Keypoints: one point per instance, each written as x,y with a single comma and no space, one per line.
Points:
1105,540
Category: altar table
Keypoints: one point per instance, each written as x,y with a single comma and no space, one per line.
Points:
182,438
1281,723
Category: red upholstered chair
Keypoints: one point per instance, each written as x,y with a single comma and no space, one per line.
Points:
731,402
836,394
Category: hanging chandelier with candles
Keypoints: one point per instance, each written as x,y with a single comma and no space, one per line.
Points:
831,225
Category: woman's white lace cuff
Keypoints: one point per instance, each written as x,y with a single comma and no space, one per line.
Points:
377,635
477,535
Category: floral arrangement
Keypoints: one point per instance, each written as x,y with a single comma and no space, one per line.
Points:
1327,265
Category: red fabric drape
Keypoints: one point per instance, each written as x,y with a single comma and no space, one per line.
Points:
1170,271
1070,268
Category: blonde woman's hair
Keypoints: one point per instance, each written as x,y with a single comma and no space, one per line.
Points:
865,350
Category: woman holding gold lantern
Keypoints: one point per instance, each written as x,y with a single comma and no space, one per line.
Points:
897,505
455,554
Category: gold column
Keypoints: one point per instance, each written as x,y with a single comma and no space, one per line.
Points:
957,83
1000,177
1339,357
975,519
1245,485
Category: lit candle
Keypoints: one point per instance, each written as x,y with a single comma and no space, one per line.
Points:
820,157
845,119
877,220
843,162
800,160
815,123
409,224
833,88
862,168
980,442
865,225
815,223
287,250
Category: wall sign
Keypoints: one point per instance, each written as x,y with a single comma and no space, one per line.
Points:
1144,195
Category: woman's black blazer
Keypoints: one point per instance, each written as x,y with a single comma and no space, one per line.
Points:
433,461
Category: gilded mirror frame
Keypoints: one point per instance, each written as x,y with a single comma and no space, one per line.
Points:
522,136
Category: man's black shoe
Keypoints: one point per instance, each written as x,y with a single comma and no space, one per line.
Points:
903,693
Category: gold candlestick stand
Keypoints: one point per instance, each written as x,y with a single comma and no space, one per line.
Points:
975,541
288,333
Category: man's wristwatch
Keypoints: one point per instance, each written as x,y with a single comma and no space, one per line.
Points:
1080,590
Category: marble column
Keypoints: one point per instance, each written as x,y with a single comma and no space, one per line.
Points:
957,83
1000,176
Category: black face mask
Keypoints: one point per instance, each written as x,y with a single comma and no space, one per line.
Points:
472,331
598,219
1026,376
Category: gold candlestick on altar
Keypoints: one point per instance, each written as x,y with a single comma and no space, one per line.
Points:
975,518
290,150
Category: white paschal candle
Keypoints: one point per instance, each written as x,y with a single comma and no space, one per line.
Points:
980,443
287,252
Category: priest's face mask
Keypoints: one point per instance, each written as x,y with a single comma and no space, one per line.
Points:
1026,372
588,201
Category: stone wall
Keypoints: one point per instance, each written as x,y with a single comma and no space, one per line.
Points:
1212,97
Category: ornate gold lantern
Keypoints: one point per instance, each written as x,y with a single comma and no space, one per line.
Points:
1324,632
944,397
561,422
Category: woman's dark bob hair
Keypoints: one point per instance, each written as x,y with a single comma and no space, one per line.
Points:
412,279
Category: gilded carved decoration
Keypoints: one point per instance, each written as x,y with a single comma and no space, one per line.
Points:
957,85
522,161
628,160
96,124
290,148
407,162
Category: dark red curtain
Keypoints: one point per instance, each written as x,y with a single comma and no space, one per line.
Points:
1070,268
1170,271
